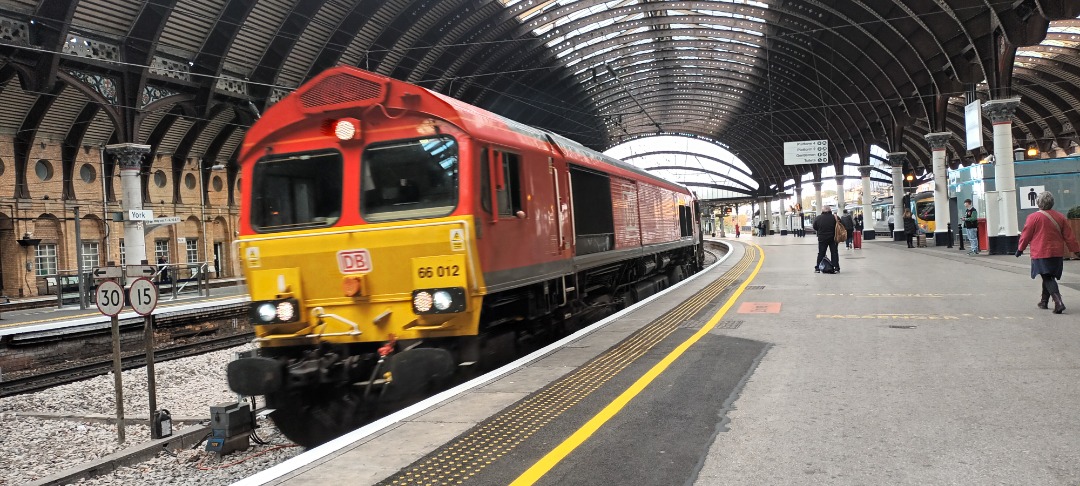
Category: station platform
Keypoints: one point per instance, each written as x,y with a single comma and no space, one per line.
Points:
34,314
912,366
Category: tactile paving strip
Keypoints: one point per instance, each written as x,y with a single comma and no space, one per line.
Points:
474,450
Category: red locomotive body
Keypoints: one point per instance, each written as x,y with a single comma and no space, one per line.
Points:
388,229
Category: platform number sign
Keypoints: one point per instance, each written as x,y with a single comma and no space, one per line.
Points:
144,296
110,297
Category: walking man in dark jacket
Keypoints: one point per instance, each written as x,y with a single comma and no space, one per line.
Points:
825,226
849,225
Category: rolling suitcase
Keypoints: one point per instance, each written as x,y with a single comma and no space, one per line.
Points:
857,243
920,241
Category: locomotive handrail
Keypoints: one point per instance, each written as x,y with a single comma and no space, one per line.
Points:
320,313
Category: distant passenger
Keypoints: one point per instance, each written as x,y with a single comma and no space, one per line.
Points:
910,228
1048,233
971,226
892,224
825,227
849,225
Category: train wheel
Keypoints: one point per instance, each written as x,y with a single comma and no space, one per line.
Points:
317,416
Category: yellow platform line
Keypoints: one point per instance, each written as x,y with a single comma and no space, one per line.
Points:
549,461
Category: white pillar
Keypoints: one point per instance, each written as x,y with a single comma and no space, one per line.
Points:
784,226
129,158
938,142
1000,113
867,198
840,203
896,160
817,195
768,216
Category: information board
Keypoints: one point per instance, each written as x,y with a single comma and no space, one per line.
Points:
806,152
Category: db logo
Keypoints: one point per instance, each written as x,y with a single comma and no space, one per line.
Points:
354,261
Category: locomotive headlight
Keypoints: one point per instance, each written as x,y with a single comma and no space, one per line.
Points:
347,129
447,300
266,312
275,311
285,311
422,301
442,300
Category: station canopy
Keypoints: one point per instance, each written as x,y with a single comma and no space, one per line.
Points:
187,77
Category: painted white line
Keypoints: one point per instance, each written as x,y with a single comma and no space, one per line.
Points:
357,435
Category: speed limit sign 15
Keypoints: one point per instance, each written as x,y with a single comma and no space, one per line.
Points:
143,296
110,297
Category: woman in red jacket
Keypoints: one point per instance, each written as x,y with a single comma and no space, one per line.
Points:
1048,234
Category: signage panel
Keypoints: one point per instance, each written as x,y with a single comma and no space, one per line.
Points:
144,296
973,125
110,297
806,152
166,220
107,272
140,215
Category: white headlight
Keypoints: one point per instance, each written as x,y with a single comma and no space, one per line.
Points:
422,301
285,311
266,311
344,129
443,300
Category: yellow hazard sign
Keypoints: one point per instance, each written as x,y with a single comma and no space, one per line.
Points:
457,240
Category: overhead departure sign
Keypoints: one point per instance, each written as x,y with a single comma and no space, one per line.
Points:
806,152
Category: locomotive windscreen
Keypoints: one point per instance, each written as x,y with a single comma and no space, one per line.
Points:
409,179
295,191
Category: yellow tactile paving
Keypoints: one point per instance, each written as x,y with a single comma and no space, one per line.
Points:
471,453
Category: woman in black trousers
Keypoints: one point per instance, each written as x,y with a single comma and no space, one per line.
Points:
910,228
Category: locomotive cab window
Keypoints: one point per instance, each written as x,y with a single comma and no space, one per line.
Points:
409,179
294,191
508,168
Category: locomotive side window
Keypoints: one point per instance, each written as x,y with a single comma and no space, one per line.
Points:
294,191
509,194
409,179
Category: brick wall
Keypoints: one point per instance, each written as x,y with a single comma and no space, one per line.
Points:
46,215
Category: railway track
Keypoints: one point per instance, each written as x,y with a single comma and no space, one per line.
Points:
41,381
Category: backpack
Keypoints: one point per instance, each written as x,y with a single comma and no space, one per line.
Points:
841,232
826,266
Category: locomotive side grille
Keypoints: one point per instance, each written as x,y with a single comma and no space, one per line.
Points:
340,88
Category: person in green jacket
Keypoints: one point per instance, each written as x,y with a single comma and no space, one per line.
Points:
971,226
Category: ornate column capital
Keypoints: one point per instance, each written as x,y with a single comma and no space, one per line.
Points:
817,185
938,140
128,155
864,170
1001,111
896,159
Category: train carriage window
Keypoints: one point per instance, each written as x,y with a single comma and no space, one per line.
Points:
409,179
509,196
294,191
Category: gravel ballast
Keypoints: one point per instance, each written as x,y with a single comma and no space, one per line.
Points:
32,448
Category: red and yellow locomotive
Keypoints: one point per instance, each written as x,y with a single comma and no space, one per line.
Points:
391,235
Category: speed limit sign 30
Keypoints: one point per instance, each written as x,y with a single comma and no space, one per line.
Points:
143,296
110,297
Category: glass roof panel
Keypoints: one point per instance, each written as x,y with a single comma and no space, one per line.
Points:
690,169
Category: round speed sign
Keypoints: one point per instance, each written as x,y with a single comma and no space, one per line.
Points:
144,295
110,297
